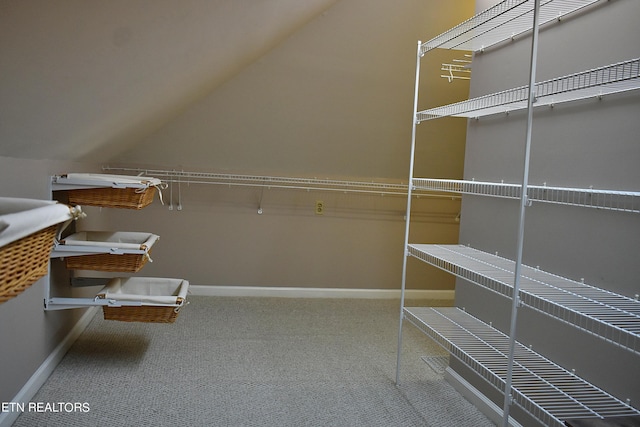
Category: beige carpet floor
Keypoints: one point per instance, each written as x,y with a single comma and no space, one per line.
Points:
255,362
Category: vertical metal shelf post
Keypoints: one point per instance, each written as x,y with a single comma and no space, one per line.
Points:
408,214
508,396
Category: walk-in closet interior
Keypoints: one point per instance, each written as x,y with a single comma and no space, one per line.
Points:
456,182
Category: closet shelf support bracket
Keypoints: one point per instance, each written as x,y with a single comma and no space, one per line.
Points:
68,303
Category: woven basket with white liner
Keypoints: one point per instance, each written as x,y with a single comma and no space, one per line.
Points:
113,191
121,251
159,299
28,228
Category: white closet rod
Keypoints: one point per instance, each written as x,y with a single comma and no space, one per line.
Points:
345,186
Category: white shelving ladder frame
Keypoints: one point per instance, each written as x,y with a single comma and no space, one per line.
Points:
508,400
466,36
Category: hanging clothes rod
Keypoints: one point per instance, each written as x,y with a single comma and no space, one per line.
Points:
458,69
318,184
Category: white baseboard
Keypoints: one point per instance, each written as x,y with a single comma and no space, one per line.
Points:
292,292
46,368
479,400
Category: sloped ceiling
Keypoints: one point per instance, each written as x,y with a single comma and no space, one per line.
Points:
76,74
316,85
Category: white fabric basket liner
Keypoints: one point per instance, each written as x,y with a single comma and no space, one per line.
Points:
108,180
147,290
21,217
112,239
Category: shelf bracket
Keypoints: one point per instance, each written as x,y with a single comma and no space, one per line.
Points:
51,304
62,251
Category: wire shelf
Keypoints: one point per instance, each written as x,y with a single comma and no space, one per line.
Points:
501,22
612,317
298,183
597,82
625,201
545,390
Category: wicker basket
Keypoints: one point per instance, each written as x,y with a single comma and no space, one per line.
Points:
127,198
24,261
147,314
116,251
159,299
125,263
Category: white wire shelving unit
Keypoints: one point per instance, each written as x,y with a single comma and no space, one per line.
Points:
595,83
264,181
610,316
545,390
500,23
527,379
624,201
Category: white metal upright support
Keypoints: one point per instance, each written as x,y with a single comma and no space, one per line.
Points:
408,214
523,205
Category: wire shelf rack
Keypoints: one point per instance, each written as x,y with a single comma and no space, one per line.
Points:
502,22
612,317
376,186
625,201
620,77
544,389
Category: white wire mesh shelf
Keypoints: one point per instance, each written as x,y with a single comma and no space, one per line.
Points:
612,317
597,82
299,183
501,22
545,390
626,201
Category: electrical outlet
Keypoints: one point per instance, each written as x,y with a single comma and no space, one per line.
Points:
319,207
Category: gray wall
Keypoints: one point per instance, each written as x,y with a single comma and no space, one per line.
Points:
332,100
588,143
218,238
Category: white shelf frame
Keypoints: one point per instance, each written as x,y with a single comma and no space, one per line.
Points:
595,83
530,97
545,390
62,182
58,303
612,317
624,201
63,250
500,23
